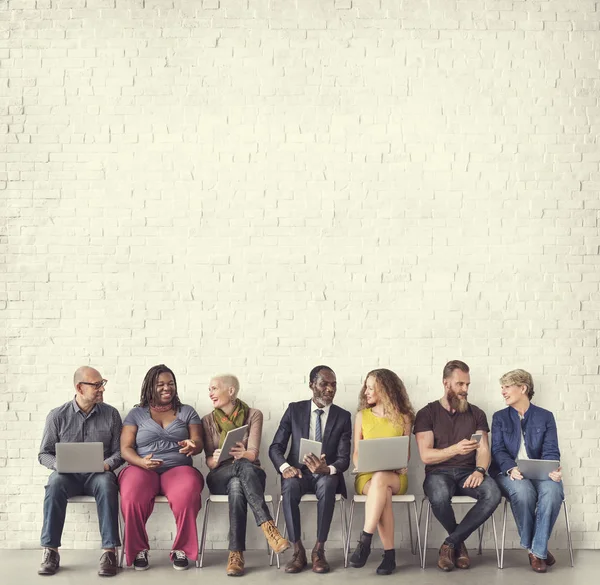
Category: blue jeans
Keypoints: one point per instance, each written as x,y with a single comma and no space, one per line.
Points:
62,486
535,504
441,484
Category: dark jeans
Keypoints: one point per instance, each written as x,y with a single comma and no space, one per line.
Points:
62,486
324,487
441,484
244,483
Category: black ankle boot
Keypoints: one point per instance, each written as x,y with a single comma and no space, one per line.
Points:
361,553
388,564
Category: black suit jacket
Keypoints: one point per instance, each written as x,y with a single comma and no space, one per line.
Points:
295,423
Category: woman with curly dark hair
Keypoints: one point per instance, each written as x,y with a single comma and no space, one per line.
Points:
159,438
384,410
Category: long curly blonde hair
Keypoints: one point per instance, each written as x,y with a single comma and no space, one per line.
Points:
392,393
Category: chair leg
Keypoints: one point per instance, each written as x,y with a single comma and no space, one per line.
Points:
427,517
503,535
203,537
568,525
122,530
343,521
349,532
480,534
412,541
277,524
421,555
495,540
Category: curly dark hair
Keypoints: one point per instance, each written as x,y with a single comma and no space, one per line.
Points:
392,391
148,393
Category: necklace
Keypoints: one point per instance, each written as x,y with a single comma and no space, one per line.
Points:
162,408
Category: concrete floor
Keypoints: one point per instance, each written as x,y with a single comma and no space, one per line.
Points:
20,566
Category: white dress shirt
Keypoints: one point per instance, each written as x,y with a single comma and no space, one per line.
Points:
312,428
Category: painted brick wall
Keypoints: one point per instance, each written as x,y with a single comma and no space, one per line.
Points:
258,187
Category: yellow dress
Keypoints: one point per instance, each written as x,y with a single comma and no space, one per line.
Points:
375,427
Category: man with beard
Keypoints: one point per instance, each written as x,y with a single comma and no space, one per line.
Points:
318,420
455,464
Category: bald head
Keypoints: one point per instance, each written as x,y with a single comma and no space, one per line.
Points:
86,374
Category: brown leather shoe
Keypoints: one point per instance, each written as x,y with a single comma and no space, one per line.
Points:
319,562
274,538
538,565
446,558
108,564
235,563
462,557
50,562
298,562
550,560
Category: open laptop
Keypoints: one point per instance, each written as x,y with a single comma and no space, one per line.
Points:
382,454
537,468
79,457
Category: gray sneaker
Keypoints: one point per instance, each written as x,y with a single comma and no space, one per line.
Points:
50,562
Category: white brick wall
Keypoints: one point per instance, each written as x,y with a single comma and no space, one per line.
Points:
260,186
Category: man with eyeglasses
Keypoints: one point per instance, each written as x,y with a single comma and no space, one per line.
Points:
84,419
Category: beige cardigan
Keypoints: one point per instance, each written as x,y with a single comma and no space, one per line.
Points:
212,434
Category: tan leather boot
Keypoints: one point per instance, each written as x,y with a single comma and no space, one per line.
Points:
235,563
446,558
274,538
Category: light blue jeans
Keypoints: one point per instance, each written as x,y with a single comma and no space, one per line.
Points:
535,505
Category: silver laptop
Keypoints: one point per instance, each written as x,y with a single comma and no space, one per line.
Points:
537,468
79,457
382,454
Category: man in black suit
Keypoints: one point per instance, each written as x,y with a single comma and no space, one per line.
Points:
319,420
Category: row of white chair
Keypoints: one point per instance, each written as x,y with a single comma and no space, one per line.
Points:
346,524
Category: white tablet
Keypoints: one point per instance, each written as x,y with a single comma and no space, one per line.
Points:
79,457
537,468
306,447
233,437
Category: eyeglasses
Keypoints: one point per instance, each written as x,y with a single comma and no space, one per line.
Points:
96,385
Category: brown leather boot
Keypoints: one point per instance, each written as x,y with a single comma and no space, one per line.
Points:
298,561
537,564
462,557
550,560
319,562
235,563
446,558
274,538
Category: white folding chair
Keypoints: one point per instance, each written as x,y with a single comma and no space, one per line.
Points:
455,500
405,499
568,525
157,500
92,500
214,499
312,499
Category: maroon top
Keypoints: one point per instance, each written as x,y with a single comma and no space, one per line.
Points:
449,429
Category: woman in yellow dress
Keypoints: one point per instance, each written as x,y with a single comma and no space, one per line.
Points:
384,410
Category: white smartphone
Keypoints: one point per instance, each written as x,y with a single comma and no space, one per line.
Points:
157,460
476,437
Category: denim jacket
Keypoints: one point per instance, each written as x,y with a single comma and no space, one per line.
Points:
541,439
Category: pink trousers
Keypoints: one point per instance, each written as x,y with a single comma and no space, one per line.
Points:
182,485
